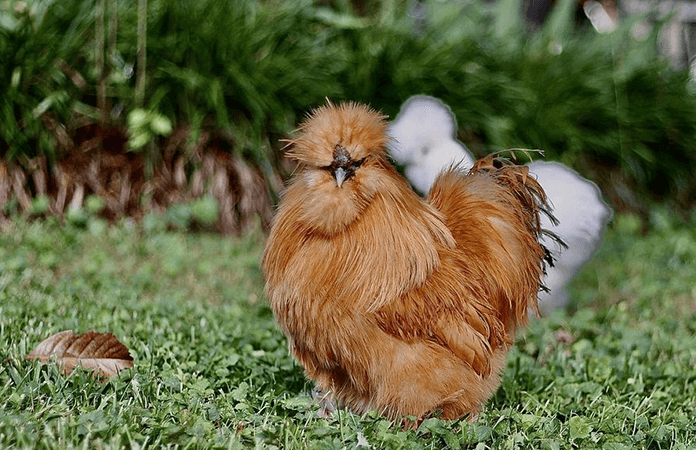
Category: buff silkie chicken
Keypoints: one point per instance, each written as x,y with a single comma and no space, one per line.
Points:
392,302
424,143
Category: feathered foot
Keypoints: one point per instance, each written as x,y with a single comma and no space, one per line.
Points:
327,404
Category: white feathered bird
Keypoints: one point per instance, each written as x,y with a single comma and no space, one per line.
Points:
425,143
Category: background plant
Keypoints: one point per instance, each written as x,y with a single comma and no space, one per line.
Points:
237,76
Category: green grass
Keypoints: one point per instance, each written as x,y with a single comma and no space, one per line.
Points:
212,370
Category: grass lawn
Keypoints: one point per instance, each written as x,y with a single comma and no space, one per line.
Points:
212,370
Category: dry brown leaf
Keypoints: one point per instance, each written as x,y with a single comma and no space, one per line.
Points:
99,351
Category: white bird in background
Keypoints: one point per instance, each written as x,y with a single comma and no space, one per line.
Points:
424,143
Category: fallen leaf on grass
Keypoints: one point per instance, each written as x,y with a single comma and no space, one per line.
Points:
99,351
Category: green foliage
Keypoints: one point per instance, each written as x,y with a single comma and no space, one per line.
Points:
77,216
212,370
239,67
246,71
94,204
205,210
37,39
143,126
40,205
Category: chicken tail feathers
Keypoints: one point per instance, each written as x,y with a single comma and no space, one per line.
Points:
494,213
531,202
529,193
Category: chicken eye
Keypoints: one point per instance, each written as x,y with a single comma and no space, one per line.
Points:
355,164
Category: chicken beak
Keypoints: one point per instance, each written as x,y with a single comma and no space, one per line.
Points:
340,175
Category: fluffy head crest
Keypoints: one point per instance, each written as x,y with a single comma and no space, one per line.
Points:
359,129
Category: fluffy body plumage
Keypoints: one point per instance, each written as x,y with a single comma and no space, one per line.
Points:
389,301
424,143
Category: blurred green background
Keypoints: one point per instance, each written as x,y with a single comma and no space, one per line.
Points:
81,116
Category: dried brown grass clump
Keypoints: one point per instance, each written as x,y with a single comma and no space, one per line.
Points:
131,184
